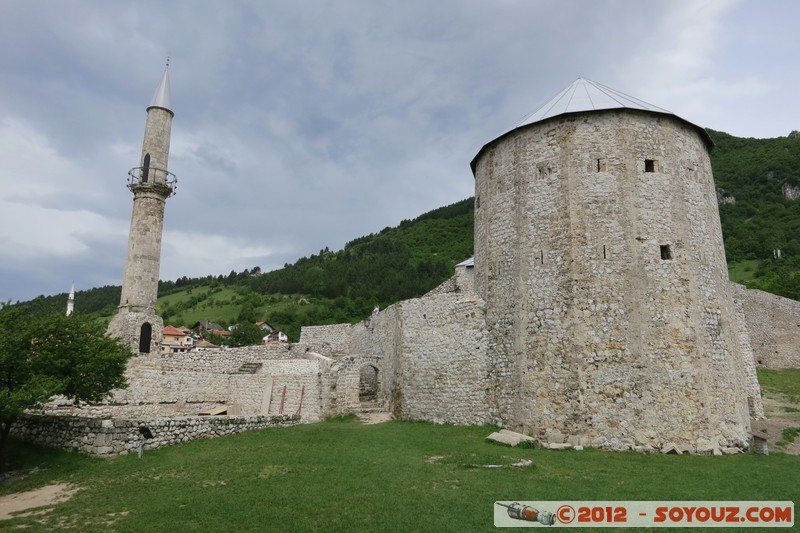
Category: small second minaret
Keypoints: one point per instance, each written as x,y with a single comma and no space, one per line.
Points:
71,300
136,321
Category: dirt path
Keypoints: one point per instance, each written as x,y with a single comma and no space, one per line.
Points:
22,501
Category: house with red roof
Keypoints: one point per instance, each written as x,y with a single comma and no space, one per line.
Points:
176,340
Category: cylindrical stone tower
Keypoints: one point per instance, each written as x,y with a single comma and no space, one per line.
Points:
598,251
151,183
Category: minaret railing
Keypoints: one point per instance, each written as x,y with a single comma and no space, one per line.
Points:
144,177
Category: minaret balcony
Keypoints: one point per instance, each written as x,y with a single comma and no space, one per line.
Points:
151,178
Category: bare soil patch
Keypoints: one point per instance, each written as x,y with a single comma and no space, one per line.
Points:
780,414
14,504
375,417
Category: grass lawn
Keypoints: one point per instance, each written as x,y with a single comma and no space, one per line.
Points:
341,475
785,382
743,271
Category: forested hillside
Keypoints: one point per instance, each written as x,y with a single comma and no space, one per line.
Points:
760,175
755,177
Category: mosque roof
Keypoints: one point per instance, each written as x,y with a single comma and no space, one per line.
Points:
162,98
582,96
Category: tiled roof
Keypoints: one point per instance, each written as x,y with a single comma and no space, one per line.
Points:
172,330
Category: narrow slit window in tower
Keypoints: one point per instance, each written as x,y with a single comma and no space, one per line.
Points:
598,164
649,165
541,256
666,253
604,252
146,168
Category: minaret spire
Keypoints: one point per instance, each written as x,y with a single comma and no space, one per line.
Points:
162,97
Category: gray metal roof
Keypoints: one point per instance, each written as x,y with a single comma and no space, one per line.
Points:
162,98
583,96
467,262
587,95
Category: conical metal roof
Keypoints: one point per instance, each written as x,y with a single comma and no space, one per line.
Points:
583,96
162,98
586,95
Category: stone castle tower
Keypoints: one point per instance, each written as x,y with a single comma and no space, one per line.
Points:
599,254
136,321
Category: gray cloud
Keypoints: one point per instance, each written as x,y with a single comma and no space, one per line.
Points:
301,126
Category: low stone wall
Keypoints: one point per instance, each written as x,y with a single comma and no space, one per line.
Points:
107,437
773,324
229,360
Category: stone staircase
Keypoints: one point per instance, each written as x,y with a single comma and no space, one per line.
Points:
249,368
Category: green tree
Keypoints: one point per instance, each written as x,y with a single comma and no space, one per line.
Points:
45,355
246,334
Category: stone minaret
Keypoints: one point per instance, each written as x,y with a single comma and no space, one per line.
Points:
136,321
71,300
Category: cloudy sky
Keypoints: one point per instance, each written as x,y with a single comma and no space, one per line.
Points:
301,125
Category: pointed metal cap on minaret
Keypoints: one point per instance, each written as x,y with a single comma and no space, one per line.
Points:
161,98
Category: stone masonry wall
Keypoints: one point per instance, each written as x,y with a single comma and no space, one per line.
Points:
747,365
106,437
153,392
442,365
326,340
228,360
773,324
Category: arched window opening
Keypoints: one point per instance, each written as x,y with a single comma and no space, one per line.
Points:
145,336
146,168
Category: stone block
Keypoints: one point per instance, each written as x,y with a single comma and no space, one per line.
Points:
520,436
503,439
553,436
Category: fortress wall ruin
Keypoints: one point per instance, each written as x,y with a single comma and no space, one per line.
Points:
773,324
431,354
154,392
442,364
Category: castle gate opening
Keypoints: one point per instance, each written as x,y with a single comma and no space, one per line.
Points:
368,384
